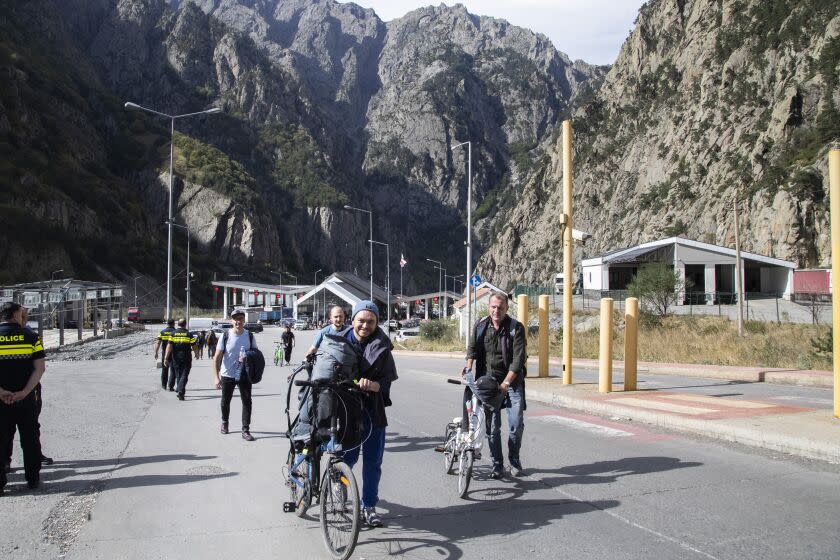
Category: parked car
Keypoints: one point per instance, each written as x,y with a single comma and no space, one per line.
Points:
300,325
223,326
407,334
394,324
254,327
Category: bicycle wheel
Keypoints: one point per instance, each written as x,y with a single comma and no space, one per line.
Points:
300,488
450,444
339,510
465,466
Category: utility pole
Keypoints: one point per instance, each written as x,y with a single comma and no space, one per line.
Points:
568,222
739,285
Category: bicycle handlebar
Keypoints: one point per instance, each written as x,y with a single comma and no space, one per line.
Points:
323,383
455,381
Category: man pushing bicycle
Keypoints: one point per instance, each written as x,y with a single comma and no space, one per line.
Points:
498,348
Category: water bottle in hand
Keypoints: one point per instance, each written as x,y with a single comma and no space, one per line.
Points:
242,355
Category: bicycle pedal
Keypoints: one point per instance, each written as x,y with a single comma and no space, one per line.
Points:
289,507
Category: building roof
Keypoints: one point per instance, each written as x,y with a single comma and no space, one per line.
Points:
483,289
629,254
348,287
268,288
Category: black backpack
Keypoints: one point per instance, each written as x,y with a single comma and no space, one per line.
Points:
254,360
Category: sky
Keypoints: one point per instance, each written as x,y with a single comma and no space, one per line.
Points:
591,30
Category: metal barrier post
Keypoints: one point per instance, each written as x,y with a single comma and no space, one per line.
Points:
80,318
605,354
631,343
543,366
522,310
41,322
61,325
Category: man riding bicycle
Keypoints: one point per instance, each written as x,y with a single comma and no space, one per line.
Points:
498,349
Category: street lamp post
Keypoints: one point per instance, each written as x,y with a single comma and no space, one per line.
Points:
469,236
370,217
439,266
170,217
189,275
388,282
316,295
135,289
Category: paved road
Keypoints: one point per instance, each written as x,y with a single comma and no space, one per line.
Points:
140,474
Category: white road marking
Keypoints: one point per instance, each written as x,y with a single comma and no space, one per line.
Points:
657,405
581,425
717,401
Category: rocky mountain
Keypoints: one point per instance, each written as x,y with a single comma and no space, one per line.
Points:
324,105
706,99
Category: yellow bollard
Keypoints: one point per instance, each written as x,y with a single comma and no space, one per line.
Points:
834,196
543,369
522,310
605,355
631,343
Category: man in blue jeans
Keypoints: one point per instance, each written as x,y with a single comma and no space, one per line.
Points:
498,349
378,371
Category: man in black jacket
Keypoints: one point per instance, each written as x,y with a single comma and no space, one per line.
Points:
179,352
378,371
498,349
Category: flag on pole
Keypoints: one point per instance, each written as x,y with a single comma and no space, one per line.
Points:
403,262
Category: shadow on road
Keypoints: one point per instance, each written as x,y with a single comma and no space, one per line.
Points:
396,443
502,507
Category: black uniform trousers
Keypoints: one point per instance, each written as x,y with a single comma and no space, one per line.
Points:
167,376
23,416
228,385
39,403
181,369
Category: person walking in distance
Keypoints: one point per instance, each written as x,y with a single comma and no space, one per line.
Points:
378,373
228,371
167,376
498,349
288,338
336,325
179,352
212,340
22,365
201,340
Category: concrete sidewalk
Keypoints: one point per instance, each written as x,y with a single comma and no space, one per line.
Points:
800,431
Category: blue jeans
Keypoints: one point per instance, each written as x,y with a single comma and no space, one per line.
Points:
373,450
516,426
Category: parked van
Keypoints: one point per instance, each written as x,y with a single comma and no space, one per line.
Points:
201,324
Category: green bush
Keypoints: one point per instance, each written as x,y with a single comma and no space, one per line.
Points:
657,286
436,329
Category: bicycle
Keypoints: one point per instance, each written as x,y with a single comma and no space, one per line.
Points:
279,349
335,489
464,444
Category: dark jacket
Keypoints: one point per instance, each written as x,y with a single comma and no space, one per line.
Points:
506,349
377,365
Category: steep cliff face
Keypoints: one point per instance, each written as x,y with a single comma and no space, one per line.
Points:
324,104
705,98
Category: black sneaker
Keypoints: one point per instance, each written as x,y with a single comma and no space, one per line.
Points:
33,484
224,428
371,517
497,472
516,467
180,396
246,435
46,460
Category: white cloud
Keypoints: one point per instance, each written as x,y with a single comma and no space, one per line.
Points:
592,30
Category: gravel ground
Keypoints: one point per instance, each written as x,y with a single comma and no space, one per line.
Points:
132,345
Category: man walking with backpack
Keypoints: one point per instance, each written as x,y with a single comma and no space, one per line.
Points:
229,370
498,349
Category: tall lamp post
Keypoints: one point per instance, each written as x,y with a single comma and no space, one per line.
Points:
135,289
387,282
469,235
170,218
439,267
189,275
370,217
315,318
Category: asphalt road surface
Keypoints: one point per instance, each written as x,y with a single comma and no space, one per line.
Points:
139,474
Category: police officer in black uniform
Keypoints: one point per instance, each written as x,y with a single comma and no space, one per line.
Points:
179,352
162,341
21,367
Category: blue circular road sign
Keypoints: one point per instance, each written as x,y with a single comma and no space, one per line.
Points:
475,281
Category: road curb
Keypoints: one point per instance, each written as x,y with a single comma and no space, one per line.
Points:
805,378
753,437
